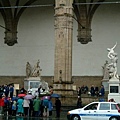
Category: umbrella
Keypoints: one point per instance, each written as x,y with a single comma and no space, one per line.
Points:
55,95
21,95
29,96
45,97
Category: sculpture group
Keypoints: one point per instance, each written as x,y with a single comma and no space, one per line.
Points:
112,66
33,71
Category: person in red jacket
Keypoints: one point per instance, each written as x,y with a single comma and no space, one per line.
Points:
2,104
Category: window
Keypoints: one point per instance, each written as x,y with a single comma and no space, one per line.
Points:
92,107
104,106
113,107
113,89
34,84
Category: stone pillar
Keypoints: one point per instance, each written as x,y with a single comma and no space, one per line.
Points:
63,46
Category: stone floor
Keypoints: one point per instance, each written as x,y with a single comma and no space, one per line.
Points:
62,117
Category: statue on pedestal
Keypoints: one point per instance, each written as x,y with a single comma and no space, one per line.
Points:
36,70
112,67
28,70
33,80
105,71
33,72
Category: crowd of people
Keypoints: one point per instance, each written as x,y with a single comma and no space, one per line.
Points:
36,106
93,91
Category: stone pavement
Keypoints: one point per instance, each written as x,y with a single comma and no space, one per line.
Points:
62,117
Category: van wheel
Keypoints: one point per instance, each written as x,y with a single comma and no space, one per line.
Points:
113,118
75,117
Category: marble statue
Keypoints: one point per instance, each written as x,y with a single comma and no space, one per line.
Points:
28,70
44,86
112,67
111,51
105,71
36,70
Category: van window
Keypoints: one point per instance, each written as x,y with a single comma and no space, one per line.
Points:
113,107
104,106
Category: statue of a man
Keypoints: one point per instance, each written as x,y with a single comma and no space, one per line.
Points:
105,71
36,70
28,70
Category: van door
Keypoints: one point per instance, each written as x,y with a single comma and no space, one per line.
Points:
90,112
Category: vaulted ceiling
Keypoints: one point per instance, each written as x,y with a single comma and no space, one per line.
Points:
11,10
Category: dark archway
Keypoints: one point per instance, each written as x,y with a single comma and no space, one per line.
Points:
84,13
11,17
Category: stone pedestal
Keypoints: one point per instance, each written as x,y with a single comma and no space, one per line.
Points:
63,89
114,89
32,82
105,84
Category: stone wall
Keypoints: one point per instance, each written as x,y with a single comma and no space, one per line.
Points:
78,80
66,100
87,80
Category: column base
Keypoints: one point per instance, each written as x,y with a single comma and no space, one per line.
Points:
63,89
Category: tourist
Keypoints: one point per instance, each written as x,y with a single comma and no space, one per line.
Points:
2,104
14,108
79,103
58,107
36,106
20,106
10,102
96,91
46,106
26,106
50,90
30,90
50,106
31,107
6,90
92,90
41,108
102,91
11,91
79,92
22,90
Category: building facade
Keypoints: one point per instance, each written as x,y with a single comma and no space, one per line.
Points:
55,39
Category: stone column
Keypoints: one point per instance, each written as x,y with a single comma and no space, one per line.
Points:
63,46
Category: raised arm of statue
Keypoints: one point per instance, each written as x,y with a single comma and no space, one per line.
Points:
111,52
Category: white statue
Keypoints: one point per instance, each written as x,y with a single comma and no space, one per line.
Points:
36,70
28,70
113,65
111,51
44,86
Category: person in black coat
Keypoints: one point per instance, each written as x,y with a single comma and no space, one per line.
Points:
79,103
58,107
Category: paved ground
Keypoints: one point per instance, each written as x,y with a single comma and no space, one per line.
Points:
63,117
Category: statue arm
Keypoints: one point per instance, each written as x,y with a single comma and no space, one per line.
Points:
114,46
